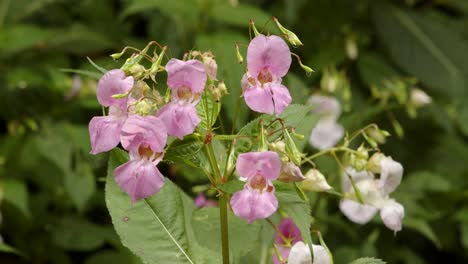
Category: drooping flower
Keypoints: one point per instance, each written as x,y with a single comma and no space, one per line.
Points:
257,199
300,254
139,177
104,131
268,61
375,193
179,118
327,132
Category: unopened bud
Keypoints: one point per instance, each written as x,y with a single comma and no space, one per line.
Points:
117,56
222,87
240,59
329,81
137,71
373,165
143,107
290,173
252,25
157,64
140,89
308,70
351,48
419,98
377,134
211,67
358,159
291,148
290,36
278,146
315,181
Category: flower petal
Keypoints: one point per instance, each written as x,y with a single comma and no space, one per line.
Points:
189,74
139,130
288,228
281,97
356,212
104,133
252,205
326,134
390,175
259,99
267,164
269,52
392,215
111,83
357,177
180,119
327,107
139,178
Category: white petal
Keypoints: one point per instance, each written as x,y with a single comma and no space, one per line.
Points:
390,175
300,254
320,255
392,215
326,106
326,134
315,181
356,212
357,177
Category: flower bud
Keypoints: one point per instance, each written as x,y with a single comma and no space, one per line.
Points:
291,148
308,70
419,98
358,159
278,146
222,88
137,71
252,24
140,89
315,181
211,67
377,134
329,81
373,165
351,48
290,173
240,59
290,36
117,56
143,107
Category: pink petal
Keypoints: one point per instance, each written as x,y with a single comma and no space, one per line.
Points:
356,212
289,230
189,74
281,97
284,251
143,130
180,119
259,99
252,205
139,178
113,82
270,52
267,164
104,133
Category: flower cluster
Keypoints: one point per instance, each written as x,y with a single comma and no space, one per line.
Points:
141,127
292,248
375,192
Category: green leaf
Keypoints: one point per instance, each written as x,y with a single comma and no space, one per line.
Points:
243,237
75,233
423,228
232,186
238,15
374,69
157,228
80,184
368,260
110,256
188,150
16,193
9,249
208,111
422,47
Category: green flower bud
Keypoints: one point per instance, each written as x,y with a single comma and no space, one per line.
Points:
240,59
291,149
290,36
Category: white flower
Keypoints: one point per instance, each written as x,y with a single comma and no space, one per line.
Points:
315,181
326,106
326,134
300,254
375,194
419,98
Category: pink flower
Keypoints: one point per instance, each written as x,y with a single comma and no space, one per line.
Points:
139,177
185,78
143,130
291,233
257,199
180,118
113,82
268,60
104,131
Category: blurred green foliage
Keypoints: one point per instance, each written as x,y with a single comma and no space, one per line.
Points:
52,190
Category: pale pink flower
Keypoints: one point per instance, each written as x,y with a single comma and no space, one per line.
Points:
300,254
291,232
180,118
139,177
185,78
268,60
111,83
104,131
257,199
143,130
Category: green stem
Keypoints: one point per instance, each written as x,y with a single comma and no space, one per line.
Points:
223,200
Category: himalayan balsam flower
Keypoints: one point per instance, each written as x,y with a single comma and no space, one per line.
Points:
268,60
375,194
187,80
144,137
257,199
293,248
104,131
327,132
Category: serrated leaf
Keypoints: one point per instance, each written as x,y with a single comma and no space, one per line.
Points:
188,150
156,228
367,260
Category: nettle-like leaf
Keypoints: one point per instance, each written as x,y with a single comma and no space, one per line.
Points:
188,150
208,110
243,237
158,228
368,261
